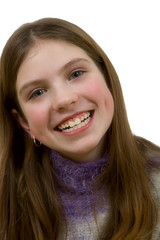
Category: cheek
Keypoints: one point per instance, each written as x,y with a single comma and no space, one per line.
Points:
108,99
92,88
102,95
36,116
97,89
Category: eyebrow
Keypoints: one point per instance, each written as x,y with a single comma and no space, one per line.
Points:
73,61
39,81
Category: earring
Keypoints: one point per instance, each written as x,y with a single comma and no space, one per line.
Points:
36,142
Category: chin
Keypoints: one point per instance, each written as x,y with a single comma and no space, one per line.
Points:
87,153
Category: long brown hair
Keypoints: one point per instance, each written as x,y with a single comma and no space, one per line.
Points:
29,207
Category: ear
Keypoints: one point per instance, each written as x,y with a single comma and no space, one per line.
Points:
21,120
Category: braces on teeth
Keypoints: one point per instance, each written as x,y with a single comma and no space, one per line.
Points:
77,123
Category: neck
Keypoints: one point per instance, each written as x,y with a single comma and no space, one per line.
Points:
88,156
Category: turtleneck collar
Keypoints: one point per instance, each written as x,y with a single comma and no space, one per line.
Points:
76,188
78,197
77,175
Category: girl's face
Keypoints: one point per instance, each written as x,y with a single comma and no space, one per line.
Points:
65,100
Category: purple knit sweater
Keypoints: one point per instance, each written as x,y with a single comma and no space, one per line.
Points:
76,182
78,201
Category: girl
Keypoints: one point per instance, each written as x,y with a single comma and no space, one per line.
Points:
70,166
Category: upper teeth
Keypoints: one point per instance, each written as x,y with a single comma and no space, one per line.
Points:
75,122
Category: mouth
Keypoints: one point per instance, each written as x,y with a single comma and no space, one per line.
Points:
78,122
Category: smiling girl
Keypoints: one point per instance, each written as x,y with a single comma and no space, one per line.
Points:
70,166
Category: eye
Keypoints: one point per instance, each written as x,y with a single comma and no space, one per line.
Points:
37,93
76,74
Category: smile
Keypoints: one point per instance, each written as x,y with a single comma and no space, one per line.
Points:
78,122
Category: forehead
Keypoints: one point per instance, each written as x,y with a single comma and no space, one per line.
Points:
53,48
49,53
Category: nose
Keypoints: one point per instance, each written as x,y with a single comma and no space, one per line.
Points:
64,99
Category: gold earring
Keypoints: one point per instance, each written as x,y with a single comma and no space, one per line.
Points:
36,142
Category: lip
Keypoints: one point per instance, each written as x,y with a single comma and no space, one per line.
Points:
79,130
71,117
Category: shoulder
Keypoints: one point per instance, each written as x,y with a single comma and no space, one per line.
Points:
153,168
154,179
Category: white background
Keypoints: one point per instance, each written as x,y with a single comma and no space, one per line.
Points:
127,30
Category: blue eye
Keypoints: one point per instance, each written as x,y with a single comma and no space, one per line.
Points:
76,74
37,93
